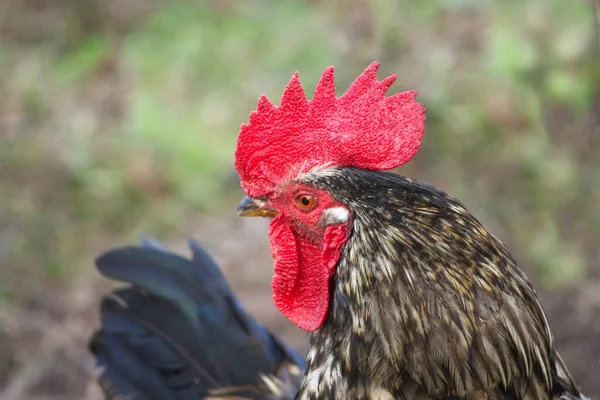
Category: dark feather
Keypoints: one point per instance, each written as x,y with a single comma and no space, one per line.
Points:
112,379
178,332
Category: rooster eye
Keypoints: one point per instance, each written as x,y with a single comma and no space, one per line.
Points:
305,201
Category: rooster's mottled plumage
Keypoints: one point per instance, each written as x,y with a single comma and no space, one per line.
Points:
426,304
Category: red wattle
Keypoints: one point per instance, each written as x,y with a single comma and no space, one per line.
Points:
302,270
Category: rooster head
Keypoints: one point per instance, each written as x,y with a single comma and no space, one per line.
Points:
282,145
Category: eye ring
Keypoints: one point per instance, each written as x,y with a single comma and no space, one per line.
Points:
305,201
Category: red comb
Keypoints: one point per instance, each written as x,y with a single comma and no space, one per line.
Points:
363,129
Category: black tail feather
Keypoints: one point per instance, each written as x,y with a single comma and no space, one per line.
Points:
178,332
140,375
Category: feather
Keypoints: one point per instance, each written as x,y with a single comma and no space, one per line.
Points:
422,279
178,332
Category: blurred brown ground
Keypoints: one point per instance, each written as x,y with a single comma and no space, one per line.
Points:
119,117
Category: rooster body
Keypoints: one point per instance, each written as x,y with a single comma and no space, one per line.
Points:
426,304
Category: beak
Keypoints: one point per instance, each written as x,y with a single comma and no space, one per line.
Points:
255,207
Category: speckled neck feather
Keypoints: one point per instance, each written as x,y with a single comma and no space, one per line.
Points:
426,304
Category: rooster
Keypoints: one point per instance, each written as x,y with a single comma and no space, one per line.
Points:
405,293
177,332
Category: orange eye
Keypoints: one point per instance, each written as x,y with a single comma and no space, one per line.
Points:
305,201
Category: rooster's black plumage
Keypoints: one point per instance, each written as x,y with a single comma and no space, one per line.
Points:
177,332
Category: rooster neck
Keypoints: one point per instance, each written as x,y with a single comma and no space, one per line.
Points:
350,354
421,289
375,293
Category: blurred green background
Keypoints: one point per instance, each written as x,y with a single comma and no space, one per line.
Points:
119,117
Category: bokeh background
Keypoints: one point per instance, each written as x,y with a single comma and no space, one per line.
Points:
119,117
